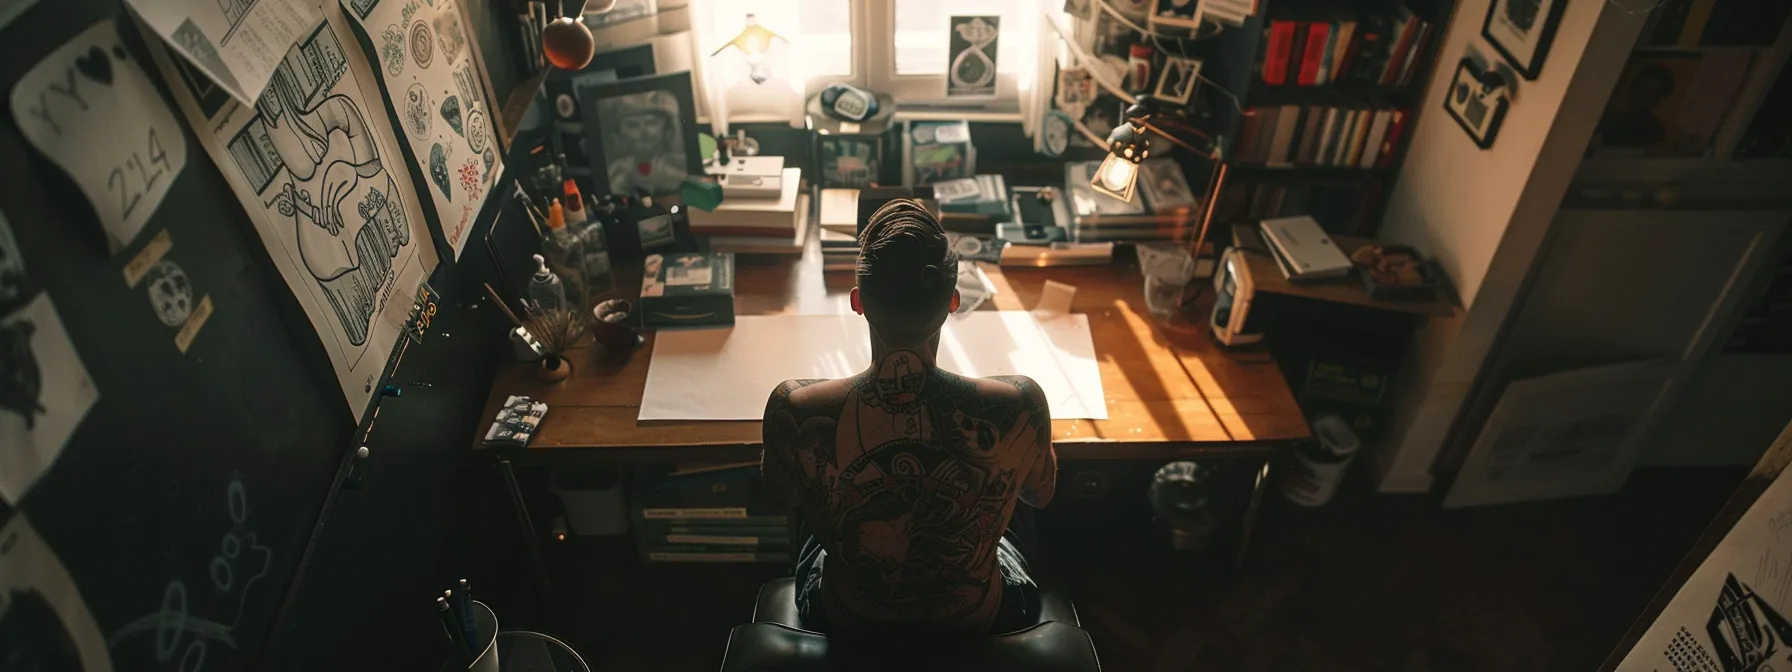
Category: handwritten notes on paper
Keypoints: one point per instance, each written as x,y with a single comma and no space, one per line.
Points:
428,81
90,108
237,43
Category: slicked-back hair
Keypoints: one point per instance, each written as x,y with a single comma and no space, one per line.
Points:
906,271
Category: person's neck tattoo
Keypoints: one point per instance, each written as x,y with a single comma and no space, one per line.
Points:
900,376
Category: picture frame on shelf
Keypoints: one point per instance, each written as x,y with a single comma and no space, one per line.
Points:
1522,30
1177,13
644,133
850,161
608,66
1478,100
1179,79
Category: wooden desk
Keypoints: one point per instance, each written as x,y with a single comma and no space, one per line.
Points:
1170,392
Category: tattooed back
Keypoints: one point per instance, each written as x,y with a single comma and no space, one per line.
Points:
907,474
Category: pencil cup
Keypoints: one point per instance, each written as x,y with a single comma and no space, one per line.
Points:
487,642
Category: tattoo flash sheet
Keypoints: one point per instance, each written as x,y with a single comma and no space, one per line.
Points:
319,172
429,80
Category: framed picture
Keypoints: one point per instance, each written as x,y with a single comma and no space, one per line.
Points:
1478,99
1179,79
972,53
643,133
609,66
935,151
1178,13
848,161
1521,31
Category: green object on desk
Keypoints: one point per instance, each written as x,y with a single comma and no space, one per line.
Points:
700,194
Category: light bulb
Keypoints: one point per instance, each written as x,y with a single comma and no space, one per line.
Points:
1117,177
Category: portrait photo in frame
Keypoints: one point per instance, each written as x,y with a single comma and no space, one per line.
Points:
643,133
1521,31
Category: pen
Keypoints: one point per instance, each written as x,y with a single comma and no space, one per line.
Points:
468,625
456,639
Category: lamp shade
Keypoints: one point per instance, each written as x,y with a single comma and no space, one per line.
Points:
1128,142
1116,177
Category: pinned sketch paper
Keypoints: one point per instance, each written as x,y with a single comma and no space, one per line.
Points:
426,69
315,165
236,43
15,285
725,374
44,622
1733,612
44,394
90,108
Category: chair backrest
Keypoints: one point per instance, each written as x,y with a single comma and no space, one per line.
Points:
1046,647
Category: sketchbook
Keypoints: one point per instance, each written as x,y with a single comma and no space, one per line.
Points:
318,168
726,374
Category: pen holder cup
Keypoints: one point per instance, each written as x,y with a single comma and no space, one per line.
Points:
487,646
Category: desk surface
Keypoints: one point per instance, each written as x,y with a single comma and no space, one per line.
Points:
1348,290
1170,391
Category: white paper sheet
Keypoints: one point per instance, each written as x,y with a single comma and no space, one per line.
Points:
35,587
425,65
318,170
90,108
237,43
52,396
726,374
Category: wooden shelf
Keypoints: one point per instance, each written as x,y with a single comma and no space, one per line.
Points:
1333,94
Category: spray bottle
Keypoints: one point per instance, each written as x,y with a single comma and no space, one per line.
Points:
545,288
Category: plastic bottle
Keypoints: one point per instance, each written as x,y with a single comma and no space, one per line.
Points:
562,243
575,206
545,288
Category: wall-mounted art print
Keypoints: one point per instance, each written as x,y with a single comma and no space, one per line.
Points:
1478,100
1521,31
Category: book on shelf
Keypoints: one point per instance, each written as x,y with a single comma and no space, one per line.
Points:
1341,136
657,528
711,542
729,494
979,195
1379,45
1342,207
740,557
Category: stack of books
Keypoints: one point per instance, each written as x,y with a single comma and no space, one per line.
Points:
980,195
839,231
758,224
1317,135
1097,217
709,513
1365,45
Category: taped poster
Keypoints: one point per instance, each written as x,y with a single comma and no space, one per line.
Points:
45,392
236,43
44,623
318,170
428,76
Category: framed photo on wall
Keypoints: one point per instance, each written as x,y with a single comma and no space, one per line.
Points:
642,133
608,66
1521,31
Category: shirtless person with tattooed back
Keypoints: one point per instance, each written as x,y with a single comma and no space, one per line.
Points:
907,474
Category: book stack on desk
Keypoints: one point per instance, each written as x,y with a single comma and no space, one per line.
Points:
839,215
708,513
751,222
1098,217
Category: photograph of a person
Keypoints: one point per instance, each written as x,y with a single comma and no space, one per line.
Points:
1646,112
642,132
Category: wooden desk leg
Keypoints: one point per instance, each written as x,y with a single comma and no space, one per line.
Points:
1250,515
526,526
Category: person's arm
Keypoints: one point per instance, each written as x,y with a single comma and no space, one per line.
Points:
777,457
1040,462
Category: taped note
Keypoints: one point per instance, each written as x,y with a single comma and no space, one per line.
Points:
236,43
43,396
147,258
90,108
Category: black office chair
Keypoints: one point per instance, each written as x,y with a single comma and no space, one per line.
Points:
776,640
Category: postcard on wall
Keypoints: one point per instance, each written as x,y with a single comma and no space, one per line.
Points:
971,70
90,108
429,79
237,43
47,393
44,622
319,172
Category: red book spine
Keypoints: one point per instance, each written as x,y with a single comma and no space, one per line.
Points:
1275,59
1314,53
1396,130
1397,55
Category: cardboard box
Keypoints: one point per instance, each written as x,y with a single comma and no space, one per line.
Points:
687,290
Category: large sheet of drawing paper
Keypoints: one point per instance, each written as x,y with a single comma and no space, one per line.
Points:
1732,613
726,374
426,69
315,164
236,43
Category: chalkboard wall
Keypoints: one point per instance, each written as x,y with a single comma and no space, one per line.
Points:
198,503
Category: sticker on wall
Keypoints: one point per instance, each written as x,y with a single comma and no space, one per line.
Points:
1478,99
423,48
392,49
147,258
417,117
451,113
189,329
971,69
44,622
43,396
15,284
478,133
170,293
89,107
438,170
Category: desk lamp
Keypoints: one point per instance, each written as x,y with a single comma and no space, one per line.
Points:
754,42
1130,143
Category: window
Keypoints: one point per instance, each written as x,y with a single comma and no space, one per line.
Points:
898,47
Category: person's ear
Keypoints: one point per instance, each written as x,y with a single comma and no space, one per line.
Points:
857,306
953,306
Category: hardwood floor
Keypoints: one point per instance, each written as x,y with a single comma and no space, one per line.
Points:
1370,582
